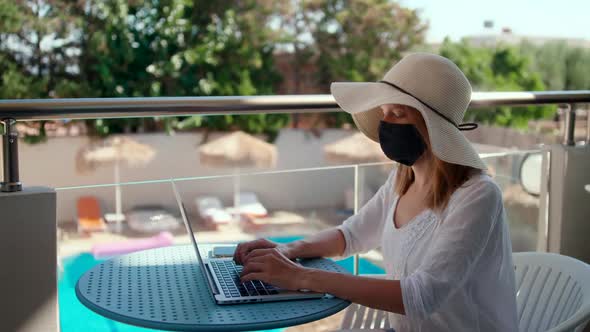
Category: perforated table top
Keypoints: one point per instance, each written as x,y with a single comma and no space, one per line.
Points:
164,289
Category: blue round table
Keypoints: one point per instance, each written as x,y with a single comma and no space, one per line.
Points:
164,289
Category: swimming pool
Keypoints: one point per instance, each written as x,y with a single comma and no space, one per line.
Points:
74,316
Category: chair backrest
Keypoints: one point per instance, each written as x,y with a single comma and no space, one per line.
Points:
552,292
88,208
360,317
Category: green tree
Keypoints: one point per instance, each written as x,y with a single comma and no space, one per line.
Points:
562,67
503,68
359,40
180,48
37,48
293,30
117,48
37,52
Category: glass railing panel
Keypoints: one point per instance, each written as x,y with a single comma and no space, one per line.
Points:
89,233
518,173
297,204
89,215
322,197
282,206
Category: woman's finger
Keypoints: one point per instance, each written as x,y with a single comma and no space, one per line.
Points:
246,249
237,253
256,253
241,252
254,276
253,267
258,259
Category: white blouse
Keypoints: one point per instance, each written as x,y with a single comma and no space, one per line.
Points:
455,267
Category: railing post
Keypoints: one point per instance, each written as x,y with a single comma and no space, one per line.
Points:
28,245
544,200
11,181
568,207
355,266
28,249
569,125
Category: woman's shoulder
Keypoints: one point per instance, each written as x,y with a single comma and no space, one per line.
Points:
480,180
478,185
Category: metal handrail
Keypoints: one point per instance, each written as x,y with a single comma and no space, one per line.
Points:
94,108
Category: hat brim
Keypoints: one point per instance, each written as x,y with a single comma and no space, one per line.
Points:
363,99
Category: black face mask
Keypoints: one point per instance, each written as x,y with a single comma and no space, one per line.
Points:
401,142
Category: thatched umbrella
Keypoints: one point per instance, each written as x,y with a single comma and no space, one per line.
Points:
236,150
356,148
114,151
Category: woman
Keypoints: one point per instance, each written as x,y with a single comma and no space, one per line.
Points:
439,218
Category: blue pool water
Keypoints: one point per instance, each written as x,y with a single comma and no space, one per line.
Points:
74,316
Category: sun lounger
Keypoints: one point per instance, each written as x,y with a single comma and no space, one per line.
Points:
211,210
250,206
89,215
277,221
152,219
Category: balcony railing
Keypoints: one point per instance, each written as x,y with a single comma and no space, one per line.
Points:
529,226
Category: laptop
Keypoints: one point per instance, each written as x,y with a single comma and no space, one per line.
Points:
223,276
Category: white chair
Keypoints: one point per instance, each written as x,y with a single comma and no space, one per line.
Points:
552,294
360,317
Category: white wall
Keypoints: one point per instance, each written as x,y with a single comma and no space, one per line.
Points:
53,164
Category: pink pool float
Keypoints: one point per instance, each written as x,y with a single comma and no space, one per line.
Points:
105,250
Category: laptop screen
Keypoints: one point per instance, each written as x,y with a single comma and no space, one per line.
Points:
187,223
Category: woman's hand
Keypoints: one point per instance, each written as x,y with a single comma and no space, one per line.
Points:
273,267
246,248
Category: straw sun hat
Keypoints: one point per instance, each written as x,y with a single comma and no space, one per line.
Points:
434,86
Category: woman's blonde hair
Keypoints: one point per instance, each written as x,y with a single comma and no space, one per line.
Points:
446,179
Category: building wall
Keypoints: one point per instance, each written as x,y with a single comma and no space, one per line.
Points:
53,164
300,152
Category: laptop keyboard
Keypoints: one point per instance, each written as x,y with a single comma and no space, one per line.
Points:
228,274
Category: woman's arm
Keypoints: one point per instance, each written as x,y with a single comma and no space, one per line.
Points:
359,233
327,243
273,267
371,292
